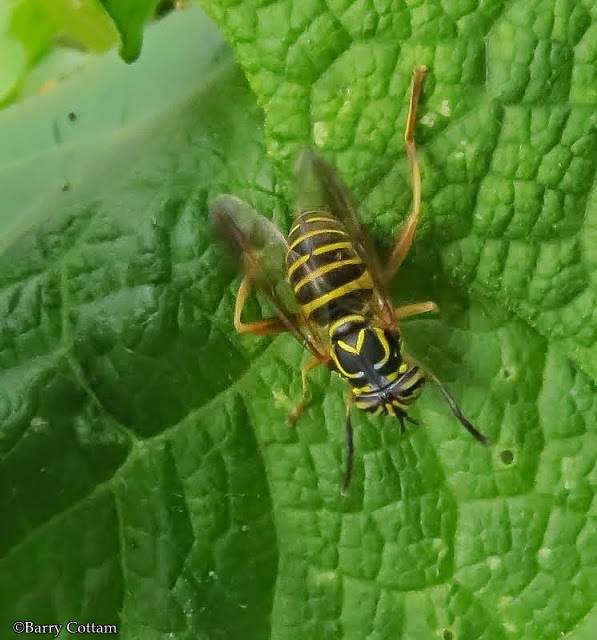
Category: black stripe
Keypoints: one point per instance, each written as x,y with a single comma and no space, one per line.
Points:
391,366
314,262
329,282
306,226
348,327
351,302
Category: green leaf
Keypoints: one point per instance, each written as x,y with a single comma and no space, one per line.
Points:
84,22
29,30
130,17
149,476
441,538
132,481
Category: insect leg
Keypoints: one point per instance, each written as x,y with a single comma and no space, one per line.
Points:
346,478
409,310
404,241
298,411
261,327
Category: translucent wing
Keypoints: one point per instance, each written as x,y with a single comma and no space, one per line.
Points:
262,248
320,188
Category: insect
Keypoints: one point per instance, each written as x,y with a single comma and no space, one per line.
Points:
327,287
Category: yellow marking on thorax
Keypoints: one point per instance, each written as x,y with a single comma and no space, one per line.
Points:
357,348
326,268
386,348
403,368
356,317
363,282
315,232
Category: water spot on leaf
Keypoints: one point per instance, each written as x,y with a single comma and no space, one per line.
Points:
428,120
445,108
320,133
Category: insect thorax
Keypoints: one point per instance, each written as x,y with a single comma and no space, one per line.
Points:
369,358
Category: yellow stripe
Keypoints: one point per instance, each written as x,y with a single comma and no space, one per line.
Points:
317,232
390,409
363,282
360,340
297,263
357,348
296,226
349,318
403,368
386,348
310,220
347,347
332,247
326,268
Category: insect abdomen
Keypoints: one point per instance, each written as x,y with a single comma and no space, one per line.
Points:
328,277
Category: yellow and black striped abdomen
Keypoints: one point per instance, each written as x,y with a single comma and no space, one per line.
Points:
328,277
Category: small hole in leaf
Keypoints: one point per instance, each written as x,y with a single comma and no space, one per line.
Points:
72,116
66,186
507,456
506,372
447,635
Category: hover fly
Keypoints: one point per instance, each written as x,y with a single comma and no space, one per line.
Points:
327,288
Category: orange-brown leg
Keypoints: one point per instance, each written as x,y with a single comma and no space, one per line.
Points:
298,411
404,241
260,327
409,310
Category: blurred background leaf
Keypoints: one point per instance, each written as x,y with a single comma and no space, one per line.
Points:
44,41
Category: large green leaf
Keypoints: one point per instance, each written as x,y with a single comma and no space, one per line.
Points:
149,477
447,540
132,491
